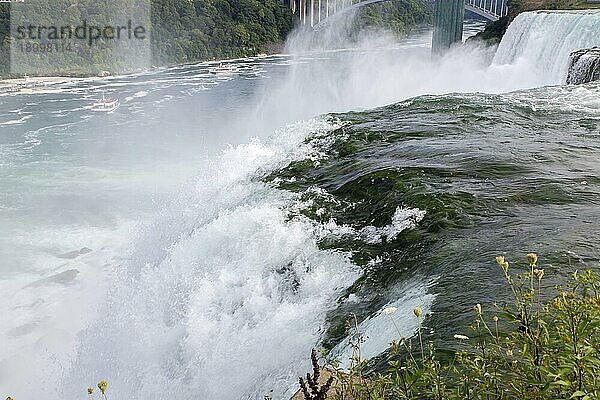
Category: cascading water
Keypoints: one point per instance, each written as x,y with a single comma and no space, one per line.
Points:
542,41
237,288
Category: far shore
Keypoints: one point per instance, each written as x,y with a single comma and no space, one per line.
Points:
271,50
29,84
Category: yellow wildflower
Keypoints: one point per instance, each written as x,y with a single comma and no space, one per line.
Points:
102,386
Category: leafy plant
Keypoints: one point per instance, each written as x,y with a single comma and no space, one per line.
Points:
526,349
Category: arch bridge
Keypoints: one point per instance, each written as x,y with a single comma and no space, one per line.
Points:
317,12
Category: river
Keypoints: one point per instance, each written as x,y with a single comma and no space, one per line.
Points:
198,241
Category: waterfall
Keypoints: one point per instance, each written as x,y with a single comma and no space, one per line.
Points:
544,40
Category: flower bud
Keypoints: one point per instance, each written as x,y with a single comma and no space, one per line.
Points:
102,386
532,258
418,312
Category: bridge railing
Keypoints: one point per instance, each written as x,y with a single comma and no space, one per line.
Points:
495,9
313,12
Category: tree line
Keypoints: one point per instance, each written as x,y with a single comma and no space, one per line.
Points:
185,31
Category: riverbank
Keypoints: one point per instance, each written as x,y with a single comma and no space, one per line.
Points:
39,84
271,49
33,84
528,348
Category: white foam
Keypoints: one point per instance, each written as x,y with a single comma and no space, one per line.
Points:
402,219
381,329
17,121
141,93
224,295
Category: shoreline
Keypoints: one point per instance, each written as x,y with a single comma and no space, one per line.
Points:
272,49
28,85
35,84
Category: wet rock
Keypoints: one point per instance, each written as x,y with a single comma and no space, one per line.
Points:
63,278
584,66
23,329
75,253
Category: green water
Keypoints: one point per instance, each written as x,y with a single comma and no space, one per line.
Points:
502,174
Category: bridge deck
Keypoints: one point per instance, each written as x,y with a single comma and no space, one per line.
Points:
326,9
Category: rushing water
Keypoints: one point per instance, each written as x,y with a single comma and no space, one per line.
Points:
197,242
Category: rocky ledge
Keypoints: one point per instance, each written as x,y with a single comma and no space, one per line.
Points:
584,66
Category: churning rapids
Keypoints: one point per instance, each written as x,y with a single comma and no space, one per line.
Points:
137,247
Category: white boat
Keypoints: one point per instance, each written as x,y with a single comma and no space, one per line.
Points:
224,70
107,104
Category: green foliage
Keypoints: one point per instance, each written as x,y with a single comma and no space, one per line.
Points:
4,34
397,17
182,30
185,31
527,5
197,30
494,31
76,57
525,349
